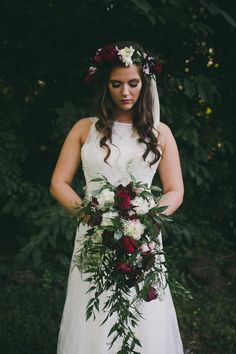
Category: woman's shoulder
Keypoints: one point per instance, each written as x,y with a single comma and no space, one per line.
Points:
165,135
84,123
81,128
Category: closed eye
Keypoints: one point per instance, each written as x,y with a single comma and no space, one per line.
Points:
132,83
115,84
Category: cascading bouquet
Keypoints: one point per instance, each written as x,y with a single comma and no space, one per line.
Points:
121,252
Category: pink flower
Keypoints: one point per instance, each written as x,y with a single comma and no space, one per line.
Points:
144,248
152,245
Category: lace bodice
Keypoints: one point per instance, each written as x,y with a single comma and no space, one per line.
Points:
125,158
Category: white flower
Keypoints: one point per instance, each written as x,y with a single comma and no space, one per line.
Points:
141,205
125,55
105,197
92,70
107,218
133,228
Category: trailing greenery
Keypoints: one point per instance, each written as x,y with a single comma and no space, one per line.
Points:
46,46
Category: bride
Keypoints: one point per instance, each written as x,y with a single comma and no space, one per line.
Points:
126,137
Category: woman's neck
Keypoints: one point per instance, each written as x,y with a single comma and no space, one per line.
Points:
124,117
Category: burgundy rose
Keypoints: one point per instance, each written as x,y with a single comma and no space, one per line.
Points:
129,244
155,66
109,53
123,196
151,295
124,267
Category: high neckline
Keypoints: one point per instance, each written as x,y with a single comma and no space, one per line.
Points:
123,123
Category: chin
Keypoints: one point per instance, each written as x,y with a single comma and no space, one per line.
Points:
126,107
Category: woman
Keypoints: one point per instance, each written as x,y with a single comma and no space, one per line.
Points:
125,138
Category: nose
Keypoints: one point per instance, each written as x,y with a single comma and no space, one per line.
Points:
125,90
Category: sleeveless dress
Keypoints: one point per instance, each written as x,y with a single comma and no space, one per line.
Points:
158,331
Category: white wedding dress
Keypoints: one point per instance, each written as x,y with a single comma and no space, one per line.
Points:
158,331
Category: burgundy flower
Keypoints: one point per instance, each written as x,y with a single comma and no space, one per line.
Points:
129,244
109,53
124,267
123,196
151,295
155,66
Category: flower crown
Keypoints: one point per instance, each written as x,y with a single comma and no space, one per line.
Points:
128,56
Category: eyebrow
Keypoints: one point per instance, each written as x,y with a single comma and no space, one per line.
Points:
132,80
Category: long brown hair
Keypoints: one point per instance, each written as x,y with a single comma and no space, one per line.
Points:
143,114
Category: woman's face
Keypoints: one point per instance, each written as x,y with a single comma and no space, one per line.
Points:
124,86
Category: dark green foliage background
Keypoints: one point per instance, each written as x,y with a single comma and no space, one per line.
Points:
45,46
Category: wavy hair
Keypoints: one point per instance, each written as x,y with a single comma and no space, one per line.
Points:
143,115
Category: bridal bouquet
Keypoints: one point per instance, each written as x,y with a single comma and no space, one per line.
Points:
120,252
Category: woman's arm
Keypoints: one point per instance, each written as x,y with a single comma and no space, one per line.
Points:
170,171
68,162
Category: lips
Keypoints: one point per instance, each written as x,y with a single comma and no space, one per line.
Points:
126,101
